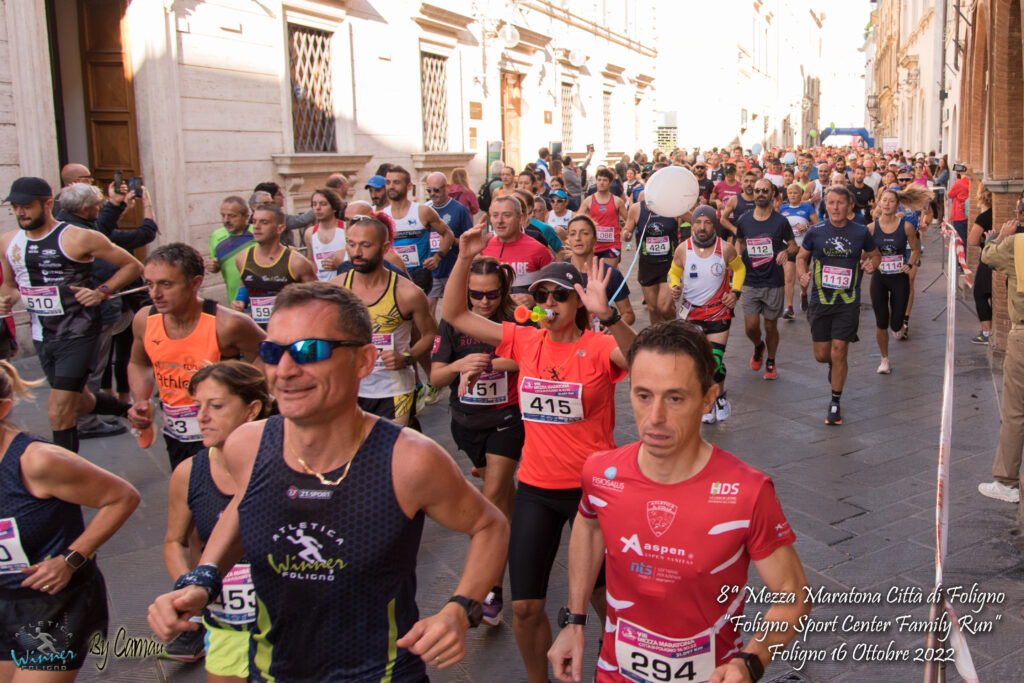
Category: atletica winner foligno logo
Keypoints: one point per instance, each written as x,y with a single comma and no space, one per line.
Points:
43,646
308,552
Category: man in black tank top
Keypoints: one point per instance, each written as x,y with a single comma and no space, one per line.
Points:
330,513
657,238
48,265
739,205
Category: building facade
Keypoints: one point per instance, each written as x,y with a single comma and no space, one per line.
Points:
991,127
754,81
205,99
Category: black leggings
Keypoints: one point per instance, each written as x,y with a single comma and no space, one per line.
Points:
537,520
983,292
889,295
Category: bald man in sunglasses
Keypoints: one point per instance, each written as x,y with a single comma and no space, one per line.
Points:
330,510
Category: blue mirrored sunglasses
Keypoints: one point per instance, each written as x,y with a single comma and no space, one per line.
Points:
303,351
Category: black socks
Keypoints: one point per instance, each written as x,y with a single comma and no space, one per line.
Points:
66,438
109,405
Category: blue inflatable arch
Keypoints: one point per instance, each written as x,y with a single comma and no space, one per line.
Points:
862,132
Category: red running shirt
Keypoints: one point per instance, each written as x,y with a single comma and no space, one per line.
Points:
606,217
670,551
526,256
568,414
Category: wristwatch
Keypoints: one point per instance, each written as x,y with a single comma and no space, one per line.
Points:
474,611
75,559
754,666
737,292
104,290
565,617
408,358
616,317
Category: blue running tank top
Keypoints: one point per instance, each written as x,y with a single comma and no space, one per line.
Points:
205,500
31,529
334,567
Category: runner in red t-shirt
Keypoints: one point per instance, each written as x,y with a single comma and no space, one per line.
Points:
567,377
525,254
676,522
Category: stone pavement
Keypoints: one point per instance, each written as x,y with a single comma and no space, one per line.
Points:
861,498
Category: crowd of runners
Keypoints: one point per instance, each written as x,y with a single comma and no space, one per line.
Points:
300,478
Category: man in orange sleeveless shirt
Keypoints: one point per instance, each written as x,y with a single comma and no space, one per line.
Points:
175,337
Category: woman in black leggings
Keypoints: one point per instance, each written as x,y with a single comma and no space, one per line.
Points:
890,285
983,275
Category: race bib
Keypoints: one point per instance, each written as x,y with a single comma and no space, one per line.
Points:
647,657
42,300
261,307
760,250
409,254
891,265
605,234
12,556
835,277
181,423
383,342
683,309
657,246
323,273
435,241
541,400
490,389
236,603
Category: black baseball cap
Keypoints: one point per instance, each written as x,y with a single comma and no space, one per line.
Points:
28,189
562,274
730,168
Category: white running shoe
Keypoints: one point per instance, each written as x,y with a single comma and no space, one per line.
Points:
709,418
722,409
883,367
993,489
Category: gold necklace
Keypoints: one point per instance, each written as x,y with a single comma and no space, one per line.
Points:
324,480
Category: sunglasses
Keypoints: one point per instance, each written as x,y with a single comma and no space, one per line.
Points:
904,180
433,190
361,217
559,295
489,295
761,190
303,351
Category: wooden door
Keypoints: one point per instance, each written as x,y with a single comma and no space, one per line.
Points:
109,98
511,112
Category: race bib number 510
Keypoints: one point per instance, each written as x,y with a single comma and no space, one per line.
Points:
541,400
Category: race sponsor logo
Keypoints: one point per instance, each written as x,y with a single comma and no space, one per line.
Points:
295,493
608,480
724,492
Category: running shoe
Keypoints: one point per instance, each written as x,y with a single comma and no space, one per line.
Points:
492,609
722,409
145,436
835,416
710,418
803,301
789,314
905,333
433,394
756,359
982,338
883,367
993,489
187,647
769,370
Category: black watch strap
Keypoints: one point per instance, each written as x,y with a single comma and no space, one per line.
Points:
616,317
474,610
565,617
754,666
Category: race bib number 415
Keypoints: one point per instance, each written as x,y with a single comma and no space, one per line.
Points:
647,657
541,400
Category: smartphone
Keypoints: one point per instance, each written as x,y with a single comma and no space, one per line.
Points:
590,147
118,179
135,185
960,168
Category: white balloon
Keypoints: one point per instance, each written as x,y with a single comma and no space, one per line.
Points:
671,191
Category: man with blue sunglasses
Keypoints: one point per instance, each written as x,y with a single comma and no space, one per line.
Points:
330,508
